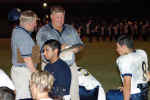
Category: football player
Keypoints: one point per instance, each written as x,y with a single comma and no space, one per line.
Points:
133,66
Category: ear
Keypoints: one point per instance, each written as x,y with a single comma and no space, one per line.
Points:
56,51
51,16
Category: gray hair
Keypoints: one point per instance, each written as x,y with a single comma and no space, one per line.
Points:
28,16
57,9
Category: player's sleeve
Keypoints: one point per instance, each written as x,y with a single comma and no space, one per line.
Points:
5,80
125,66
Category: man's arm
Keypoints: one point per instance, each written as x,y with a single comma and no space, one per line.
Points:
78,44
29,63
148,76
77,49
127,87
74,48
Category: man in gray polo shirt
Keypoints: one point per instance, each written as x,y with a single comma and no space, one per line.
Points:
64,33
21,40
57,30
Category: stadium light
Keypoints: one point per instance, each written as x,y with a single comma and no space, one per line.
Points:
44,4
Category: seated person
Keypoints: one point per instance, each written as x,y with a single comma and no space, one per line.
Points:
58,68
6,94
41,84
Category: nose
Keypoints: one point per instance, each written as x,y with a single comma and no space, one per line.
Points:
44,52
60,18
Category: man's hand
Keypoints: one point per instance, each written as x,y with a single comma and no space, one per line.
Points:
29,63
74,48
64,46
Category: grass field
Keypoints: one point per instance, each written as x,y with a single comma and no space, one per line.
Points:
98,57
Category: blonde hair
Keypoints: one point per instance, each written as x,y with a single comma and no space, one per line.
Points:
57,9
27,16
43,80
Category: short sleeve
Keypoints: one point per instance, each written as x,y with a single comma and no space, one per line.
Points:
25,44
124,65
77,37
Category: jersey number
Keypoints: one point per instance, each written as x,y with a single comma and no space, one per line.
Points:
144,70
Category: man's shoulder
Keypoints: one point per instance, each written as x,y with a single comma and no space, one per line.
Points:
57,65
67,26
124,59
19,33
137,54
62,62
45,28
47,67
140,51
132,56
63,65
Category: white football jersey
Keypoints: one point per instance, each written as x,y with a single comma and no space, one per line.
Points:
136,65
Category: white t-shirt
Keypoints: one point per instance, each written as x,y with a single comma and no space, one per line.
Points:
5,80
133,64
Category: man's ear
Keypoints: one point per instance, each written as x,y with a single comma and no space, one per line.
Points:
51,16
56,51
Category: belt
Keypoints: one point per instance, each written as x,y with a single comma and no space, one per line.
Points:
19,65
143,86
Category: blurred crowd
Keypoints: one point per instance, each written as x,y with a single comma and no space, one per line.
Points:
109,29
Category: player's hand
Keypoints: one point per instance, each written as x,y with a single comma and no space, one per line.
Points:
120,88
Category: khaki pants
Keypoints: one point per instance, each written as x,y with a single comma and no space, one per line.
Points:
20,77
74,88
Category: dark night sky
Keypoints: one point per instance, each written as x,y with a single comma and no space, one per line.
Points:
72,1
112,7
78,8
